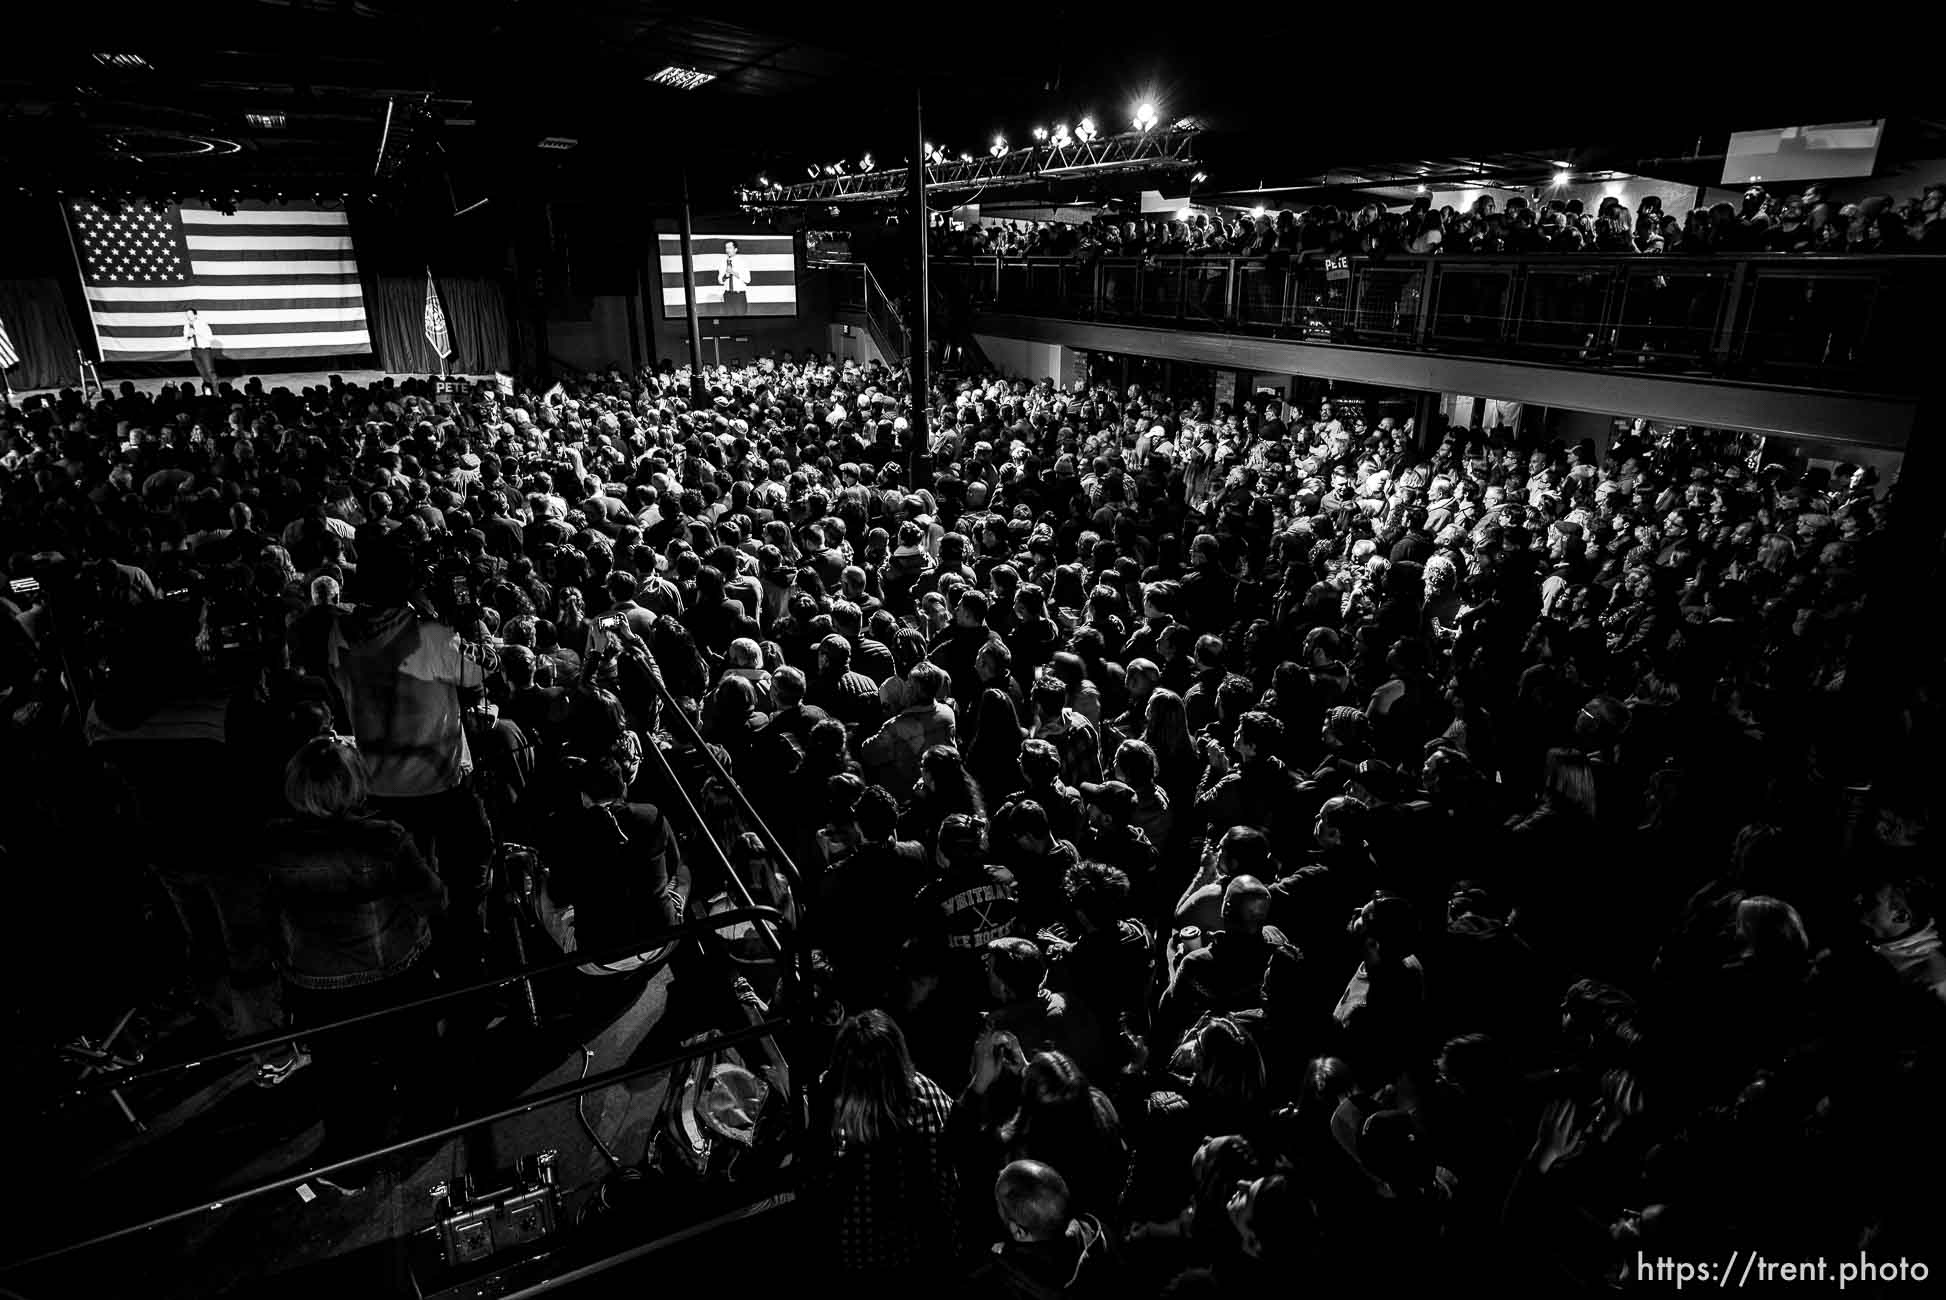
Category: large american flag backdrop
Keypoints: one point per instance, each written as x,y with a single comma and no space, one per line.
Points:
270,281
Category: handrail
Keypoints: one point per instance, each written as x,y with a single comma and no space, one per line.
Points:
671,709
531,1102
1857,319
101,1083
793,879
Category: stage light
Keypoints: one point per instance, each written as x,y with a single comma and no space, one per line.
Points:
1562,178
1184,214
1040,133
1257,211
763,182
999,149
1144,115
1420,189
1061,138
966,157
1086,131
866,164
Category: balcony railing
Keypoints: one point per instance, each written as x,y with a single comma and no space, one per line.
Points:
1861,323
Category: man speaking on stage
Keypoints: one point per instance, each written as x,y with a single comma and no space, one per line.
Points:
735,281
201,339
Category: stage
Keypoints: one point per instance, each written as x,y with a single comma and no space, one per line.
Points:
296,381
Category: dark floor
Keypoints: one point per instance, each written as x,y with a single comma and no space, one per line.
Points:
90,1172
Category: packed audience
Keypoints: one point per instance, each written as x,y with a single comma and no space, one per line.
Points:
1241,848
1764,222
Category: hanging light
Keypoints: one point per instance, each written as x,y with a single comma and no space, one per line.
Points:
866,164
999,148
1086,131
1145,117
1040,133
1061,137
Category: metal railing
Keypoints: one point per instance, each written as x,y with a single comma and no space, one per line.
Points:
1829,322
775,928
857,289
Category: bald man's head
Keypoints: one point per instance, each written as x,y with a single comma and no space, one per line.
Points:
1246,905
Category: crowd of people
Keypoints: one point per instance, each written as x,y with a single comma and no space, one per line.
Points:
1763,222
1238,845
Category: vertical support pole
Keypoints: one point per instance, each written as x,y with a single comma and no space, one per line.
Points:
919,350
697,389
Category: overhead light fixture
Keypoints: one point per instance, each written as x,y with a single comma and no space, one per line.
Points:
1419,189
122,62
1184,214
999,148
1086,131
1562,178
681,78
266,121
966,157
763,182
1185,124
1257,211
1145,117
559,142
866,164
812,171
1040,133
1061,138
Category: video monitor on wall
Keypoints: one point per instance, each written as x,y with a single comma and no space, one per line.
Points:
1802,153
736,275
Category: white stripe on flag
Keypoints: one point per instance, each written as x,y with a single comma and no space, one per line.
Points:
225,346
755,293
215,243
196,293
713,262
276,217
334,266
219,318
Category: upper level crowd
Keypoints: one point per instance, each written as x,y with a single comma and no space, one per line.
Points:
1763,222
1242,845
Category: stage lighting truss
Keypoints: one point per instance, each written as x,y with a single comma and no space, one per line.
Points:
1133,151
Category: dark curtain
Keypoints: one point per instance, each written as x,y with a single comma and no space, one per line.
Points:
36,316
476,318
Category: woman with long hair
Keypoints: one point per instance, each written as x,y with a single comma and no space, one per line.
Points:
994,756
944,787
1065,1122
888,1187
1165,729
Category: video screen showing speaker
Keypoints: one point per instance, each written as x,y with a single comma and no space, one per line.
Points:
736,275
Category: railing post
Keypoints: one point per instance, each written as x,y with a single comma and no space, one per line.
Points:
1723,348
1230,292
1428,288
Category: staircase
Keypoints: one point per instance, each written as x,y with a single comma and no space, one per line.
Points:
860,301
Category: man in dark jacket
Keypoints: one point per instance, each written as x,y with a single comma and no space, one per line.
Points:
1260,791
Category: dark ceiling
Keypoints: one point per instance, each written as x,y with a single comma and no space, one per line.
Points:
1331,100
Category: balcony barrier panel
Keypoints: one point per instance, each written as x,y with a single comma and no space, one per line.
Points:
1670,316
1830,322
